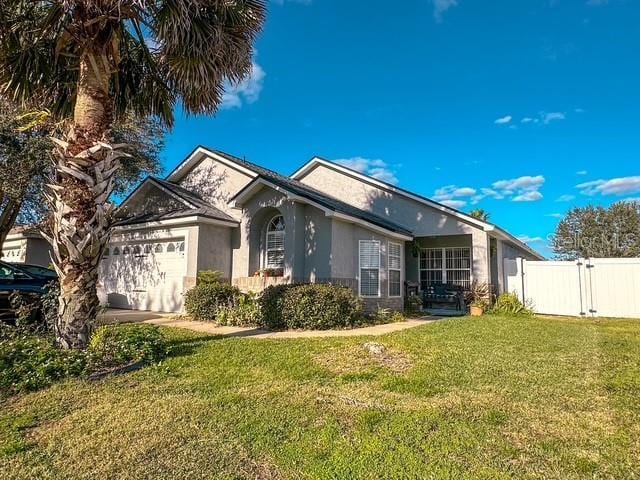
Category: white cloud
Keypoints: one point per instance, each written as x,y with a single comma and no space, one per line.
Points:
565,198
528,239
454,203
532,196
554,215
247,91
597,3
441,6
376,168
503,120
486,193
527,120
613,186
581,172
453,193
579,110
521,189
547,118
524,183
632,199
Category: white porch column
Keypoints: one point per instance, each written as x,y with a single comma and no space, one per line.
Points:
481,256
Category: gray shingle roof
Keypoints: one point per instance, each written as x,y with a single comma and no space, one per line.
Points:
202,207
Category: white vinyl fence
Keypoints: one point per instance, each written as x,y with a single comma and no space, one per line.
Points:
592,287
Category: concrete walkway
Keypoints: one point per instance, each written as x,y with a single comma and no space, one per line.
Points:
171,320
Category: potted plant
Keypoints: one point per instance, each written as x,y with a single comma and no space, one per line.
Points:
478,297
477,308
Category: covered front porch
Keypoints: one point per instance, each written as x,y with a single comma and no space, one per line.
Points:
454,261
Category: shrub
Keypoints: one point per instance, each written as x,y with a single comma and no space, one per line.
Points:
28,362
35,313
204,300
245,312
510,304
386,315
208,276
413,304
117,345
272,306
310,306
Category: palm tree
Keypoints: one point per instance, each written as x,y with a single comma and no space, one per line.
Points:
90,61
480,214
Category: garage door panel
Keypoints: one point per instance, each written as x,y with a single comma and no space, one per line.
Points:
145,275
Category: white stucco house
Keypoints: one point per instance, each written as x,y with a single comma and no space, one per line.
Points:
25,245
324,223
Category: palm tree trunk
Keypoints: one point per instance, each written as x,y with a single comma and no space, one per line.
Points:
79,195
8,218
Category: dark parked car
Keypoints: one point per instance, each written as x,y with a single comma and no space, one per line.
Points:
21,278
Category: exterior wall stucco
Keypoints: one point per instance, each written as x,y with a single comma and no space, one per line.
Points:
421,219
214,249
152,199
38,252
247,257
31,249
216,183
317,247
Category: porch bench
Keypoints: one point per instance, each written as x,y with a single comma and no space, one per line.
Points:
443,293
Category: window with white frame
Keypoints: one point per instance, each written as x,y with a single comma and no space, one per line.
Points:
395,262
369,268
274,252
445,265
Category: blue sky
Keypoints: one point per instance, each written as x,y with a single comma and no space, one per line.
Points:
524,108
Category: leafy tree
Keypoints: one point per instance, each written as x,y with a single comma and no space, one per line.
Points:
599,232
24,158
26,161
480,214
91,61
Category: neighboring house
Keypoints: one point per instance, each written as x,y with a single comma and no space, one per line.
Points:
25,245
325,223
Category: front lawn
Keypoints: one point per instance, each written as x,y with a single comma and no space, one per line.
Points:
476,398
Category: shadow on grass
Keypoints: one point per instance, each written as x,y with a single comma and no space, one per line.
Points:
188,346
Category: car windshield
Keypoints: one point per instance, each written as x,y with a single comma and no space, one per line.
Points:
38,271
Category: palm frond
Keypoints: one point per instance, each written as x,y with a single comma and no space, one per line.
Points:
199,45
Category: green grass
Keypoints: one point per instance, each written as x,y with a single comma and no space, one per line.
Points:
461,398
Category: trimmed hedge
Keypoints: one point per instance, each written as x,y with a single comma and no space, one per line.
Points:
205,300
310,307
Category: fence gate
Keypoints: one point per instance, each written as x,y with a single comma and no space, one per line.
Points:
602,287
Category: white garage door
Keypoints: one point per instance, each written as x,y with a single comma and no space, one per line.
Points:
144,275
14,252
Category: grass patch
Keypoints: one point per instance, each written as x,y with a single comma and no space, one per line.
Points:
493,397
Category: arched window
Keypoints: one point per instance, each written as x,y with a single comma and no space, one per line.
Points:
116,251
147,249
137,250
126,250
274,254
171,248
181,247
159,248
106,252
